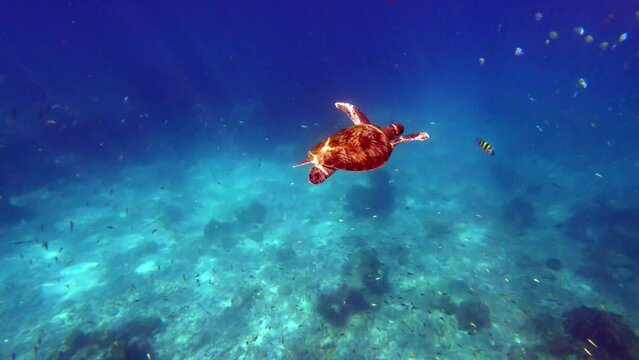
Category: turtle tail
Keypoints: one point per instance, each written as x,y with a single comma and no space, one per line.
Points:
302,163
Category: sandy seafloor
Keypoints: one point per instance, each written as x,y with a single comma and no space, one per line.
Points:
138,253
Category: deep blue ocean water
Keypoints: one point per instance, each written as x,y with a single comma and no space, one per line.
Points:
149,208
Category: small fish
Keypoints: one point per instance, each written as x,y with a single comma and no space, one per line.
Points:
538,16
45,245
519,51
579,30
71,225
587,352
582,83
482,61
486,146
623,37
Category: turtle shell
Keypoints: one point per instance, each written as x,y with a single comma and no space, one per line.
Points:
357,148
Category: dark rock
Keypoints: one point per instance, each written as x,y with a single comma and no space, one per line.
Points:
172,215
284,254
339,305
75,341
553,264
525,261
220,233
472,315
562,346
519,214
446,304
377,199
614,338
374,274
130,340
253,213
140,327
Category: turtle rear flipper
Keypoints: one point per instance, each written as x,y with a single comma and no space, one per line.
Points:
420,136
317,176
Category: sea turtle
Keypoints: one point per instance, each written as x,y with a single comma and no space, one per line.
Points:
361,147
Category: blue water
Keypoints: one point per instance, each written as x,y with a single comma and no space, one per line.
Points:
149,208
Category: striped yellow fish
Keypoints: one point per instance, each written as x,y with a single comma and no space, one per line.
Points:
486,146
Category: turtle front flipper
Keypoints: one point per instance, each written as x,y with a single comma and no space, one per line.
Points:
420,136
317,175
356,115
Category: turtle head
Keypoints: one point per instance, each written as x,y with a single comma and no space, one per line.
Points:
393,130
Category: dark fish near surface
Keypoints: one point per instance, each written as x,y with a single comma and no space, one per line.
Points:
486,146
71,226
